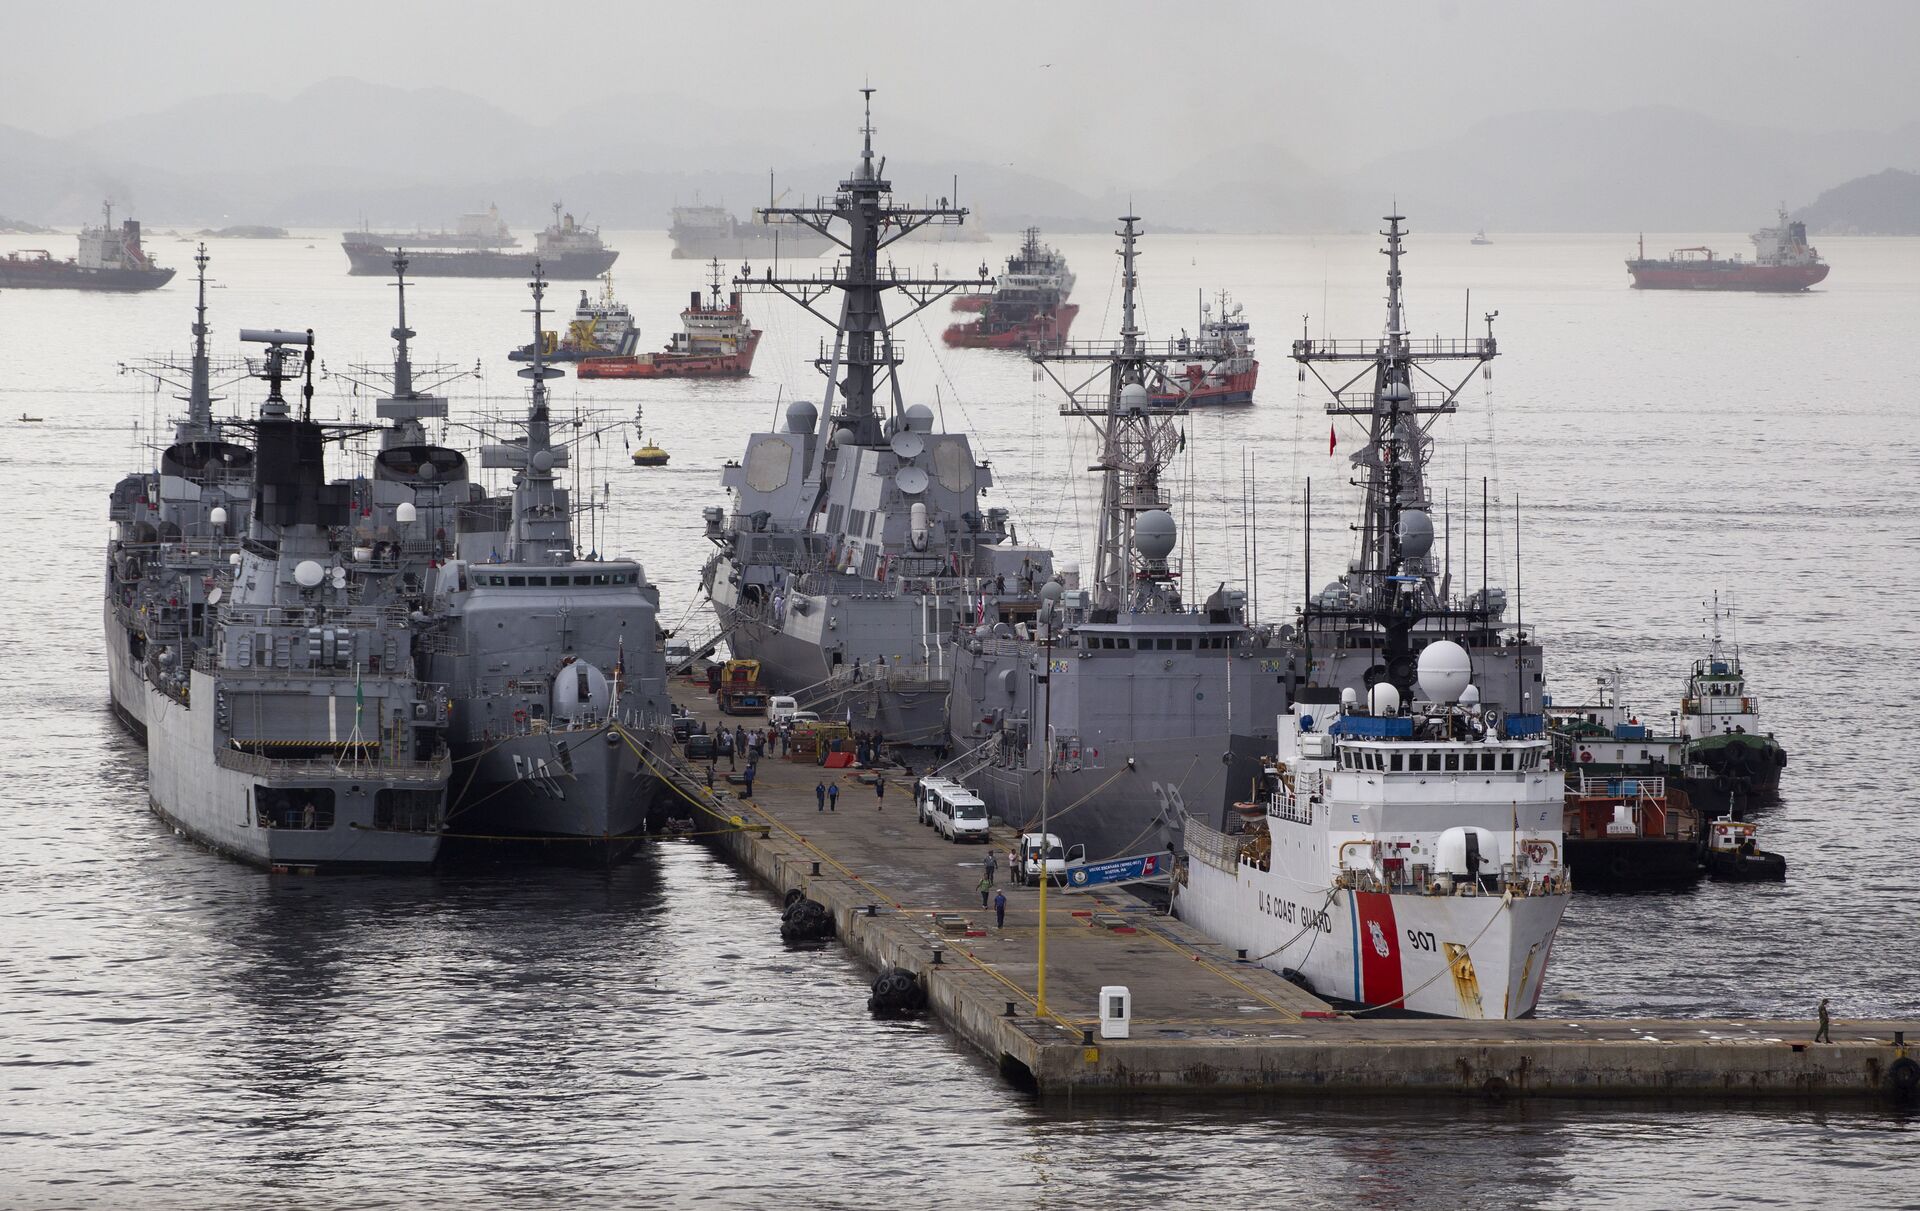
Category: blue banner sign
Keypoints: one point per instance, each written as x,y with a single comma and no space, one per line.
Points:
1118,870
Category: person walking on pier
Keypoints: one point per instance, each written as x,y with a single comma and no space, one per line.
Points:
990,863
879,793
1825,1033
820,795
1000,909
983,887
833,796
746,780
724,742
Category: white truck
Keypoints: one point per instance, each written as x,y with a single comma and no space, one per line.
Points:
1035,852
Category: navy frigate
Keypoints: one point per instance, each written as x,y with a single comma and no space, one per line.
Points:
855,540
1125,701
176,528
552,655
297,734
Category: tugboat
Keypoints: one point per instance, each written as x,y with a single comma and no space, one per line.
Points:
715,341
1402,858
1626,833
1028,305
1123,696
598,329
565,251
1720,719
1783,261
1218,366
108,260
1733,853
648,455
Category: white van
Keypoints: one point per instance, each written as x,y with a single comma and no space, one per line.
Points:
781,708
1036,853
958,814
923,795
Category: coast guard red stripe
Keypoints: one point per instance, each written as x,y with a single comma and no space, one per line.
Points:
1379,946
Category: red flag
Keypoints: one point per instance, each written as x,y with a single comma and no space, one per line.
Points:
1333,439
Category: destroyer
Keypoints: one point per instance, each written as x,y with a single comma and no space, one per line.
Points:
1402,859
1124,702
299,735
854,539
108,260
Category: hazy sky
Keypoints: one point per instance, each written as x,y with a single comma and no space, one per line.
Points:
1338,81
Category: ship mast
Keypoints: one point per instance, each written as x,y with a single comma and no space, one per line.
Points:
1139,437
542,526
200,388
863,360
1393,582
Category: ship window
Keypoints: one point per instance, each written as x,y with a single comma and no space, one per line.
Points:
1453,761
1123,643
1394,763
619,578
1184,644
518,582
539,582
600,578
1506,760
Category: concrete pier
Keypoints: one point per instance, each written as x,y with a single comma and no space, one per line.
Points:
1202,1019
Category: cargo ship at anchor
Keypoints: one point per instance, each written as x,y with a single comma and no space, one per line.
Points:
1783,261
715,341
565,251
108,260
1028,305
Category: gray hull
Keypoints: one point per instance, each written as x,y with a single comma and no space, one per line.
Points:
126,688
527,788
213,795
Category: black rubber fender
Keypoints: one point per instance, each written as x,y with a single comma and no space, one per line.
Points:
897,995
794,895
1904,1075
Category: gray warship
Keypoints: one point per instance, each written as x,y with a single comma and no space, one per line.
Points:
175,530
296,735
854,541
1368,626
553,658
1124,703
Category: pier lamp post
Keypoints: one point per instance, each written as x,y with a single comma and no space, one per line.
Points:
1049,609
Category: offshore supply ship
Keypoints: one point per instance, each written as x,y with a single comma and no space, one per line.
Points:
565,250
599,328
1782,261
1124,705
705,233
715,341
853,540
175,530
109,259
554,657
298,735
1028,305
1217,366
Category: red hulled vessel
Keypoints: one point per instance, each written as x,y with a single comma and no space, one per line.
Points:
1028,305
1216,367
715,341
1782,261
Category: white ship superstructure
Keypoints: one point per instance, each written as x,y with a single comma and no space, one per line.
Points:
1406,859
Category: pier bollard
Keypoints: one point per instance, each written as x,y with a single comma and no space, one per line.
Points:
1899,1038
1086,1038
873,910
1009,1012
939,952
816,868
1242,952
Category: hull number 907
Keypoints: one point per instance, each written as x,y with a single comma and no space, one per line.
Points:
1421,940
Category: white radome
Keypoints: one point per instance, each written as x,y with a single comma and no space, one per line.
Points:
1445,671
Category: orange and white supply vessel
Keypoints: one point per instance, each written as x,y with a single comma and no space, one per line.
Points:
1216,367
715,341
1400,859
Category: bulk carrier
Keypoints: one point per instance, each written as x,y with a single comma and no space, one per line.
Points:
108,260
566,251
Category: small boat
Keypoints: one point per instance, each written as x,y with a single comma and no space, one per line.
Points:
1733,853
1625,834
1480,237
648,455
31,420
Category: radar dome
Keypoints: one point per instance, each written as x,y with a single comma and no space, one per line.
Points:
1384,699
842,437
1133,397
1416,532
1349,697
404,512
1397,392
218,516
1470,696
918,418
802,416
542,460
1445,671
1154,534
1050,591
308,574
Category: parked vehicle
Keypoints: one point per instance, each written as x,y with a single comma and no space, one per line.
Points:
958,814
1037,853
700,747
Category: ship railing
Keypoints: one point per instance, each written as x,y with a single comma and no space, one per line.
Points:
1297,809
1364,403
1367,349
971,761
1207,844
357,617
1619,786
385,768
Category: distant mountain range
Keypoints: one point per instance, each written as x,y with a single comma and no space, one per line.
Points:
1886,203
347,150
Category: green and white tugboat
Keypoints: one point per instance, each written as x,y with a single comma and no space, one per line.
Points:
1720,721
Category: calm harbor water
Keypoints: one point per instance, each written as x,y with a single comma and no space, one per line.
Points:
177,1030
